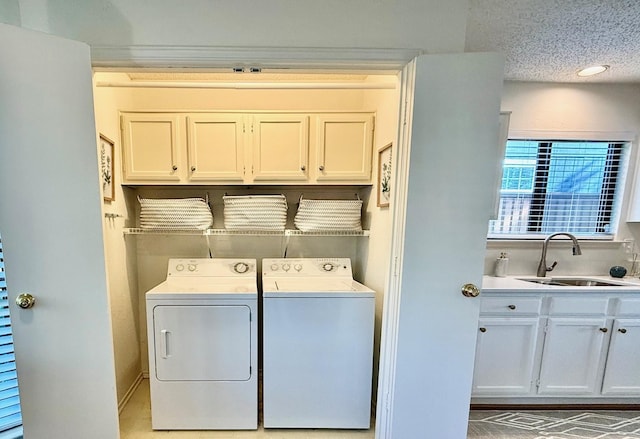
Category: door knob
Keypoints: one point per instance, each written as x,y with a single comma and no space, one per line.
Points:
622,331
470,290
25,301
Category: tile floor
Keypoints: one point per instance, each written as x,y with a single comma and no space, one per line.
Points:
135,423
564,424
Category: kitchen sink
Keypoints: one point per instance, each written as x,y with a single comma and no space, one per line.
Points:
573,282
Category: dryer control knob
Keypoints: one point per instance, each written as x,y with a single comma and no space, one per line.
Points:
328,266
274,267
179,267
240,267
297,267
192,267
286,267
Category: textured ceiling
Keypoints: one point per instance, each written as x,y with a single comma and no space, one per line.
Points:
550,40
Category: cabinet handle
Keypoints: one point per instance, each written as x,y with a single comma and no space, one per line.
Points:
193,169
174,167
483,329
604,329
303,168
321,167
622,331
511,307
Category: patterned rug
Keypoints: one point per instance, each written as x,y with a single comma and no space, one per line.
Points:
490,424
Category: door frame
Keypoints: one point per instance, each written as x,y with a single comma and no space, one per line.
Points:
369,60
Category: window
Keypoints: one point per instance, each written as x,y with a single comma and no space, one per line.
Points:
10,415
559,186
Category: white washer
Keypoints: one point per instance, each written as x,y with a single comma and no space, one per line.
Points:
317,344
203,356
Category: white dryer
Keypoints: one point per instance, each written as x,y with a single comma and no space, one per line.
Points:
317,344
203,350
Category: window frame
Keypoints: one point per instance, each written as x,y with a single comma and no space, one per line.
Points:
625,167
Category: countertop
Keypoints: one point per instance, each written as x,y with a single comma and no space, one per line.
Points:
511,284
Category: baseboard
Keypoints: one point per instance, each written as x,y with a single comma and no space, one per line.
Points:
129,393
512,407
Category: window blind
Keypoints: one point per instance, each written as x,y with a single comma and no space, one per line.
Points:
10,415
554,186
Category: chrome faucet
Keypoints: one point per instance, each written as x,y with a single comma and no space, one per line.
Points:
542,267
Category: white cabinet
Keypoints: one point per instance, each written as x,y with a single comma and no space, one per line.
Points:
622,371
506,346
247,148
280,147
505,356
552,346
343,147
153,148
571,358
216,147
621,376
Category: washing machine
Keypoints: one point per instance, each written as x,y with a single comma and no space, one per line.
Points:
203,356
317,344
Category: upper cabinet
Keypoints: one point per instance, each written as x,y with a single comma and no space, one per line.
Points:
247,148
152,147
343,147
280,147
215,147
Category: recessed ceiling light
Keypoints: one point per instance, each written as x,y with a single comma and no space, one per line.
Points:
593,70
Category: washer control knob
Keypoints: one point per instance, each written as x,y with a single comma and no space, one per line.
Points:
241,267
192,267
286,267
179,267
328,266
274,267
297,267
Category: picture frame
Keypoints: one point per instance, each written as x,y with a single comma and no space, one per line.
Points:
107,157
384,175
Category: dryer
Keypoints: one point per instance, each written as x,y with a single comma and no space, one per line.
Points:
203,356
317,344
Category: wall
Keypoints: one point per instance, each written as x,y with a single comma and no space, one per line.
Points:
432,25
120,253
589,111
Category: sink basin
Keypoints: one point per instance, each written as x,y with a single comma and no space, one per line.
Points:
573,282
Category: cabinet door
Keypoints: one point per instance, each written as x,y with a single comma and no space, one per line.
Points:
280,147
216,147
151,147
622,371
505,355
572,354
343,147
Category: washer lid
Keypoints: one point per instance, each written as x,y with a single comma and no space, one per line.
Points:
313,287
197,288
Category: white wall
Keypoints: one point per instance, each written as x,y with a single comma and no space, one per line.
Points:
587,111
120,252
433,25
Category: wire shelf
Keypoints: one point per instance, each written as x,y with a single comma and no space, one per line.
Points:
225,232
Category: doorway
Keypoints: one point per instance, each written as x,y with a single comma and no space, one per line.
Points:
137,262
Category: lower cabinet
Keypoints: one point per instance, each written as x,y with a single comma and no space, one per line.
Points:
571,359
570,346
505,356
622,371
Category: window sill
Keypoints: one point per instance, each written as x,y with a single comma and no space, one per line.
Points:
493,243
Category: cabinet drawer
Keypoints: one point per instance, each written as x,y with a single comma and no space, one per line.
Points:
628,306
578,305
510,305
